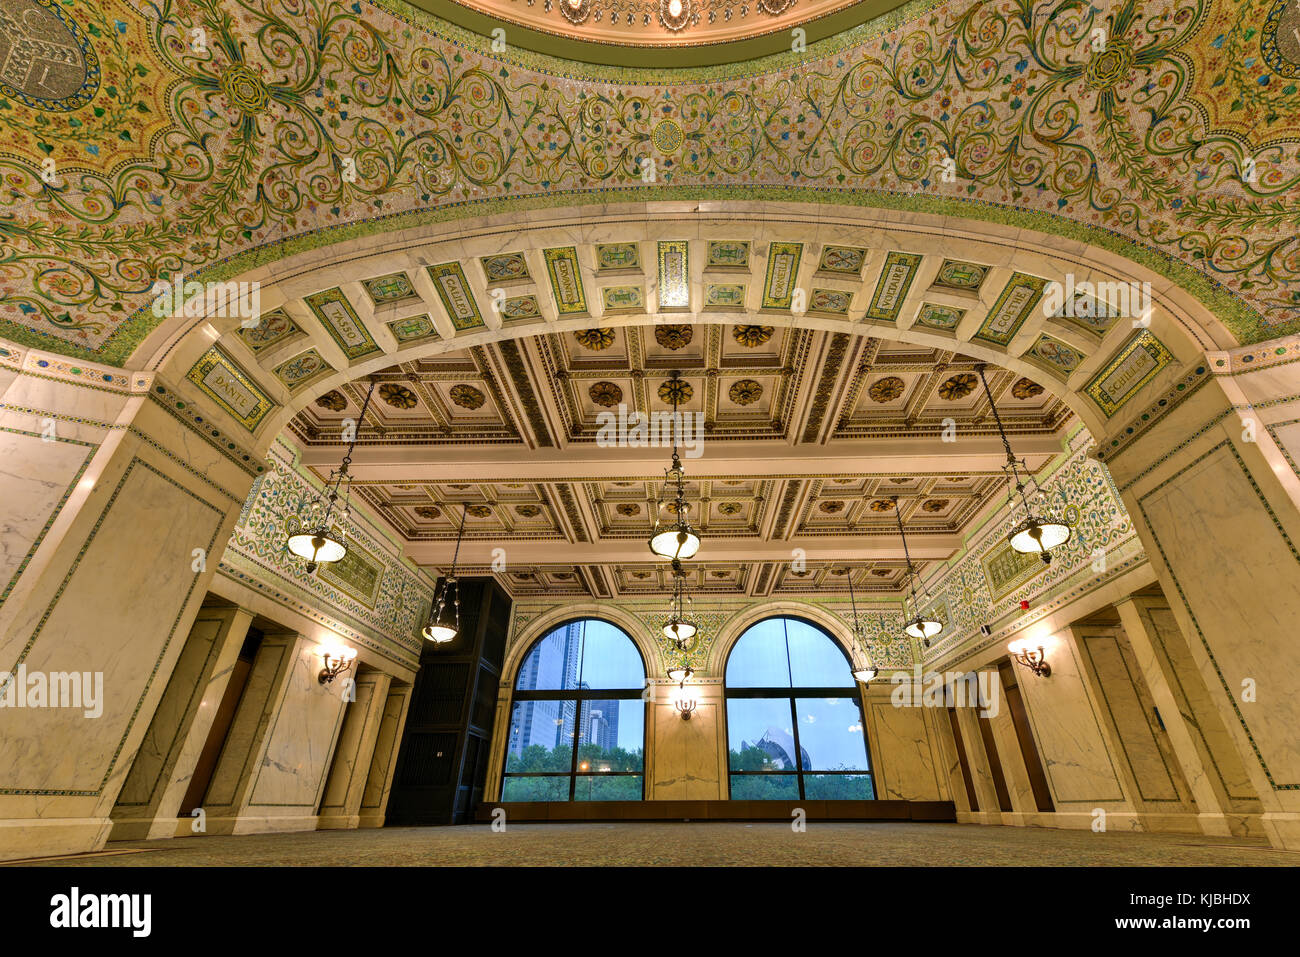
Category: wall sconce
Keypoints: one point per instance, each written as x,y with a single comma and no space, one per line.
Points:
685,703
1032,657
337,661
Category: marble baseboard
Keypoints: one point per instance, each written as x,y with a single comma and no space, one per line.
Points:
338,822
1283,829
22,838
275,823
373,819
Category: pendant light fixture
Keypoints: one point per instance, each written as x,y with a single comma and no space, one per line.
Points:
1032,535
679,629
444,620
921,627
322,525
673,537
864,668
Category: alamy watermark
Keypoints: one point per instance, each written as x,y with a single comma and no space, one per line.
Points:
1088,300
632,430
234,300
949,689
53,689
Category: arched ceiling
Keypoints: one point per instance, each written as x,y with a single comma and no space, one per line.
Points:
805,446
223,136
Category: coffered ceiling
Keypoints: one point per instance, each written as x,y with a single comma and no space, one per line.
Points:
808,436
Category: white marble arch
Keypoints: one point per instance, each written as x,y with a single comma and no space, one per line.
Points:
783,608
1179,320
520,642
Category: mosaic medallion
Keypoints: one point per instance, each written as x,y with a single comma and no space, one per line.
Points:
724,297
411,328
302,368
467,397
605,394
398,396
507,267
727,255
1026,389
887,389
960,275
676,391
833,302
334,400
49,63
594,339
958,386
622,298
272,327
751,337
667,136
939,317
394,287
517,308
745,392
613,257
1055,353
842,260
676,336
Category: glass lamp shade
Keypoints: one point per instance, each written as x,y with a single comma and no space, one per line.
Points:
922,627
675,542
679,631
439,632
317,548
680,673
1038,536
866,673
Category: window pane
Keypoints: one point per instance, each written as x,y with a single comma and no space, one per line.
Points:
838,787
758,659
596,787
815,660
759,734
609,659
764,787
830,734
541,736
535,789
611,735
552,664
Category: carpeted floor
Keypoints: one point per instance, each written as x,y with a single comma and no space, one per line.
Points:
704,843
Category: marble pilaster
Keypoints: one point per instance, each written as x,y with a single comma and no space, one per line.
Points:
340,806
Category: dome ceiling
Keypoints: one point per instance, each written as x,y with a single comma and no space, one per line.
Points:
668,23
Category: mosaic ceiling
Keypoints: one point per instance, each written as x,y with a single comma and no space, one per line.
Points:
203,137
512,430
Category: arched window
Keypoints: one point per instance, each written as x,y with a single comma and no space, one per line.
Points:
794,721
577,727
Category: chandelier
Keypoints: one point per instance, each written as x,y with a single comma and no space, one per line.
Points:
679,629
444,620
864,668
922,626
673,537
322,525
1031,534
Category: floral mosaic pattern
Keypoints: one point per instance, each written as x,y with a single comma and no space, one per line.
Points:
389,619
184,159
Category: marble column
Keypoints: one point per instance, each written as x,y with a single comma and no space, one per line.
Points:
1226,802
271,771
345,787
1209,475
115,503
1024,809
155,787
379,781
981,771
1076,750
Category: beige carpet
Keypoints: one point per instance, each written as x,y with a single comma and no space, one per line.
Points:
705,843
